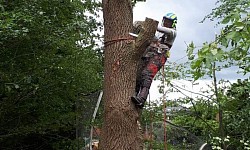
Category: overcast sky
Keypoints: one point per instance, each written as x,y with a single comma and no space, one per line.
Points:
190,13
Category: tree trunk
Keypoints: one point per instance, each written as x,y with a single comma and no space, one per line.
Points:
120,130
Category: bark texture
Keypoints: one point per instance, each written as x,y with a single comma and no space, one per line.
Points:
120,130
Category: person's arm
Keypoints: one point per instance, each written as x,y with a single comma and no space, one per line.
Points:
165,30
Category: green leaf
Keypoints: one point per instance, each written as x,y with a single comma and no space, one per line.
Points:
237,37
224,42
239,25
196,64
231,35
226,20
190,51
214,51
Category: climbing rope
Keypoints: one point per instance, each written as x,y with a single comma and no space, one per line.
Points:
151,124
107,43
164,110
165,116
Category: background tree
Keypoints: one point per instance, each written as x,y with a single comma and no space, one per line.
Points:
47,62
229,49
236,116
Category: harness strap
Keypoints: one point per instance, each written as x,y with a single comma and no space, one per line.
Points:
163,37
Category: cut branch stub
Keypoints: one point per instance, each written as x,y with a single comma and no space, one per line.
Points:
143,40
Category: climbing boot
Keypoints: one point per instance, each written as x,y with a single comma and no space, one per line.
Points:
138,101
141,98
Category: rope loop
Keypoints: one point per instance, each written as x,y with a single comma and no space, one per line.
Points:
107,43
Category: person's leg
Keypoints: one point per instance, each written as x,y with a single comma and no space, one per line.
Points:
141,66
147,76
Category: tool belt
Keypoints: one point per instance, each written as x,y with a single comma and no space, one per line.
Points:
153,50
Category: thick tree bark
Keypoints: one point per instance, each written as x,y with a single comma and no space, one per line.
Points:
120,129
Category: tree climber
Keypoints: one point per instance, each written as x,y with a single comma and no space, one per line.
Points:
155,57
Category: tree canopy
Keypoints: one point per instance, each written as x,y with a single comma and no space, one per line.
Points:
49,58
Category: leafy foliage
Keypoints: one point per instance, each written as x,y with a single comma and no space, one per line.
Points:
135,1
47,61
237,111
230,47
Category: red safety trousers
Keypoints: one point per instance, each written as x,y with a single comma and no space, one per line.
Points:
153,60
